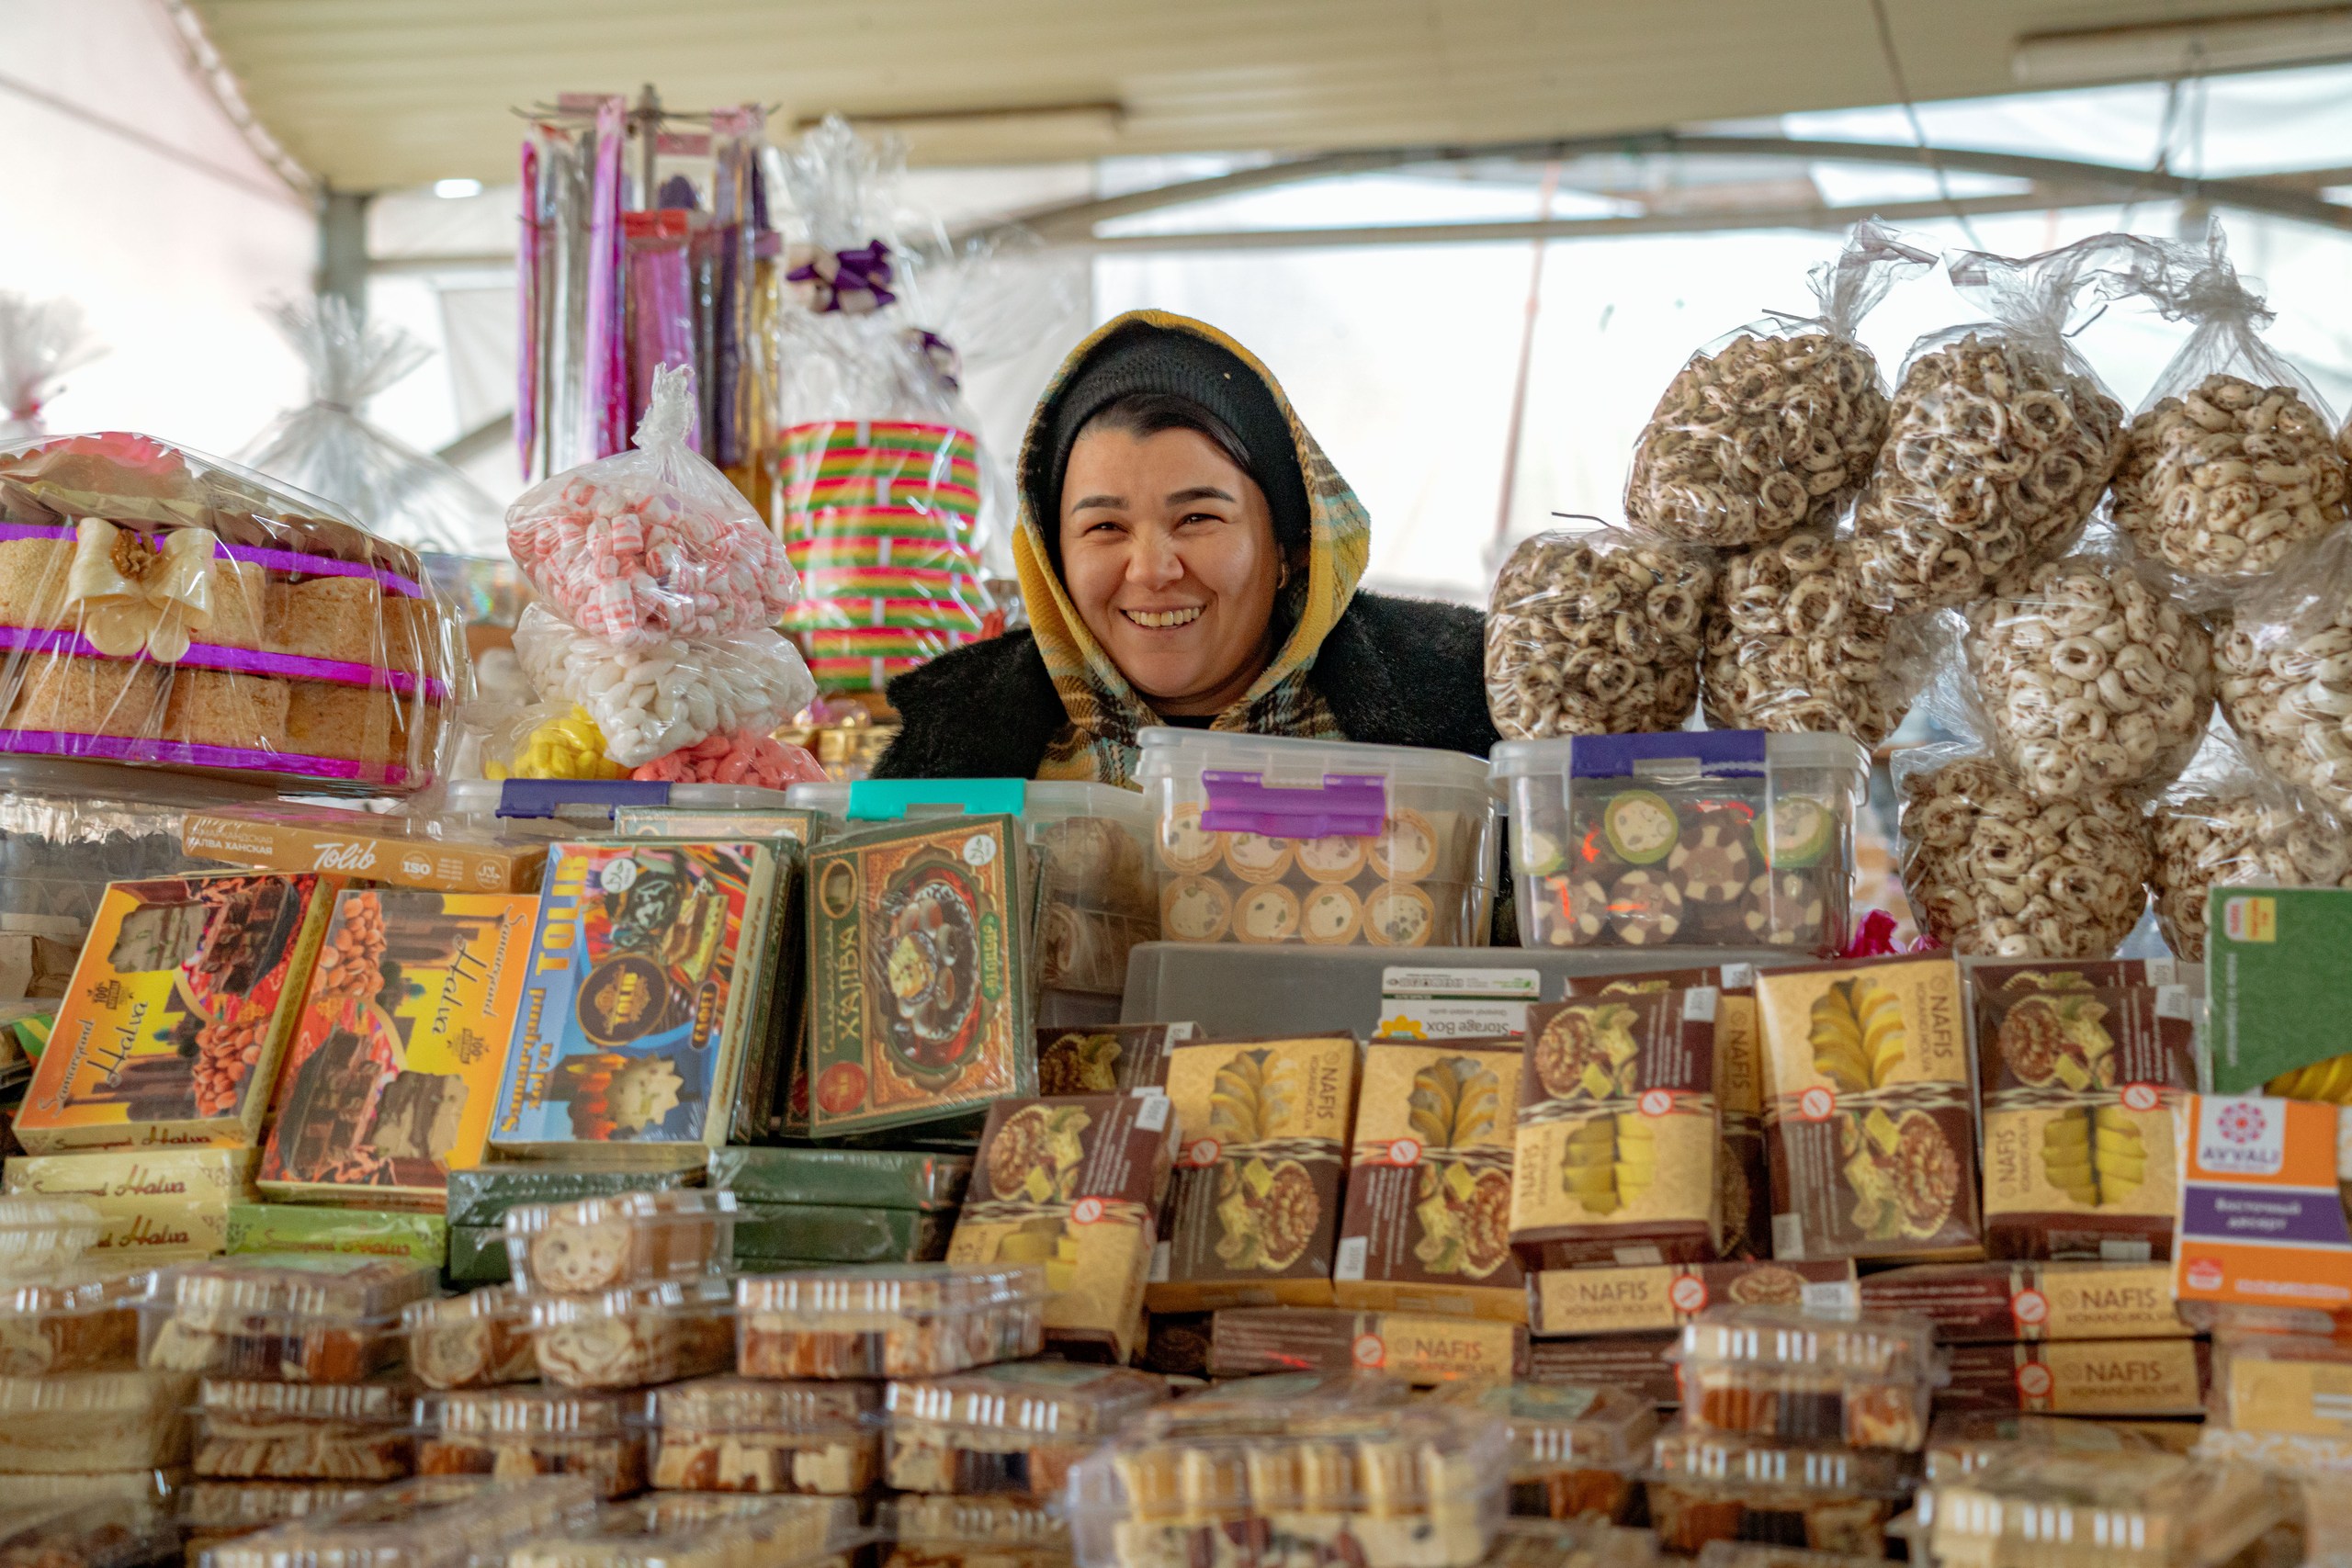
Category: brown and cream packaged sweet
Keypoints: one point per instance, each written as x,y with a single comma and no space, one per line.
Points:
256,1430
1641,1364
1416,1348
1651,1297
1113,1058
1575,1451
82,1423
1254,1216
214,1511
629,1239
2131,1510
154,1206
1427,1227
399,851
1074,1183
692,1530
1015,1428
111,1532
1963,1443
888,1320
1744,1171
737,1434
427,1522
2082,1083
1707,1486
477,1340
973,1532
80,1319
292,1317
1994,1302
2082,1377
1617,1142
1863,1379
1868,1114
633,1336
511,1433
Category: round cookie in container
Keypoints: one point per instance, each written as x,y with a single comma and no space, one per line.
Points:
475,1340
162,608
635,1335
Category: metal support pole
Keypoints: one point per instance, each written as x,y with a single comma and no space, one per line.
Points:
343,248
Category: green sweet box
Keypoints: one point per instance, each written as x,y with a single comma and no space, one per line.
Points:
299,1227
863,1178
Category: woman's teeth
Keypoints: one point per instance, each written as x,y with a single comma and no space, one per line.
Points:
1160,619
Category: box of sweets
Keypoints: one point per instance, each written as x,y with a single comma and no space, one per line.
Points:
154,1205
393,1073
399,851
186,992
637,1004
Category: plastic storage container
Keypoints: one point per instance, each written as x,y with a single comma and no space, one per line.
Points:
973,1532
1099,899
210,1512
1269,840
633,1238
1387,1487
1708,1486
633,1336
432,1521
732,1434
114,1533
78,1422
1713,838
475,1340
1016,1429
306,1317
40,1235
1777,1372
690,1530
888,1320
1575,1451
1963,1443
510,1432
1570,1543
2126,1510
558,802
83,1318
297,1431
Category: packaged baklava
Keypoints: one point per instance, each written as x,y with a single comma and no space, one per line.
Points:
1115,1059
736,1434
256,1430
1870,1117
1387,1487
1963,1443
1417,1349
2039,1509
888,1320
1864,1379
2082,1377
1744,1172
185,995
2082,1086
517,1432
1015,1428
1998,1301
1254,1216
1646,1298
1706,1487
1617,1134
293,1317
1075,1183
1576,1451
1427,1227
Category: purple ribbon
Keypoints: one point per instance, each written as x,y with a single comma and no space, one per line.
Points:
945,363
852,282
269,560
241,660
184,754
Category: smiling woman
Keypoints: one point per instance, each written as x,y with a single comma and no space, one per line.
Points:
1188,555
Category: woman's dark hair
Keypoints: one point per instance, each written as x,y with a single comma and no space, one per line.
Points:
1148,413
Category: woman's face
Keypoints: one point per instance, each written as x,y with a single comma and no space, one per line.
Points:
1168,551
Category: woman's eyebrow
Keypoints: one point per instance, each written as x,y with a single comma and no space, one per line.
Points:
1114,501
1198,492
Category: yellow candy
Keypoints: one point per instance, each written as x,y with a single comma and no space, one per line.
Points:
567,747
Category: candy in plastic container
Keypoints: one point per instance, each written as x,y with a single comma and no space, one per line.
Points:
736,1434
994,1531
652,698
2038,1509
631,1239
248,1430
1576,1451
510,1432
1769,1371
214,1511
1016,1429
888,1319
652,544
292,1317
80,1423
430,1521
698,1531
635,1335
1706,1487
115,1533
475,1340
38,1235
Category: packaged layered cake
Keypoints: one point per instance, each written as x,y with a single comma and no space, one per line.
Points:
738,1434
1707,1486
1863,1379
634,1335
974,1532
163,608
1963,1442
475,1340
2028,1509
516,1432
631,1239
428,1521
888,1320
79,1423
1575,1451
699,1531
1015,1428
111,1533
79,1318
291,1317
214,1511
255,1430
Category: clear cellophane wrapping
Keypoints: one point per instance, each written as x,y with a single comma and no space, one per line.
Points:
163,608
1596,632
2224,823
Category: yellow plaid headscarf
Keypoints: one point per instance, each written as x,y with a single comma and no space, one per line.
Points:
1106,712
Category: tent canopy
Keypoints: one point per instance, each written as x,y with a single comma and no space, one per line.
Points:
374,95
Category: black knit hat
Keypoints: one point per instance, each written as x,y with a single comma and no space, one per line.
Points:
1144,357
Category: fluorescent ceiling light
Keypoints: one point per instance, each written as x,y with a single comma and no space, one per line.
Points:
2265,40
454,191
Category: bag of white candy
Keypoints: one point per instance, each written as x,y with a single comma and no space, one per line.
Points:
651,701
2232,461
2001,438
1774,425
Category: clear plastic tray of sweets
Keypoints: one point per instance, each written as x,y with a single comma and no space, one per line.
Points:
1412,1487
81,1318
632,1238
431,1521
115,1533
536,1430
477,1340
2108,1510
1706,1487
303,1317
78,1422
888,1320
735,1434
1575,1451
1714,839
1285,842
39,1234
633,1336
695,1530
290,1431
1777,1373
1014,1428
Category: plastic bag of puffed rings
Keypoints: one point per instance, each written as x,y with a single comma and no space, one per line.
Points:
2001,439
2232,460
1595,632
1991,869
1773,426
2223,823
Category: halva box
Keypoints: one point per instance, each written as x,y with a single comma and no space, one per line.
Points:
1254,1216
1993,1301
394,1074
399,851
185,996
1417,1348
154,1205
2082,1377
1427,1227
1617,1140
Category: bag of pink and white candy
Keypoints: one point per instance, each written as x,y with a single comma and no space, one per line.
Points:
652,544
